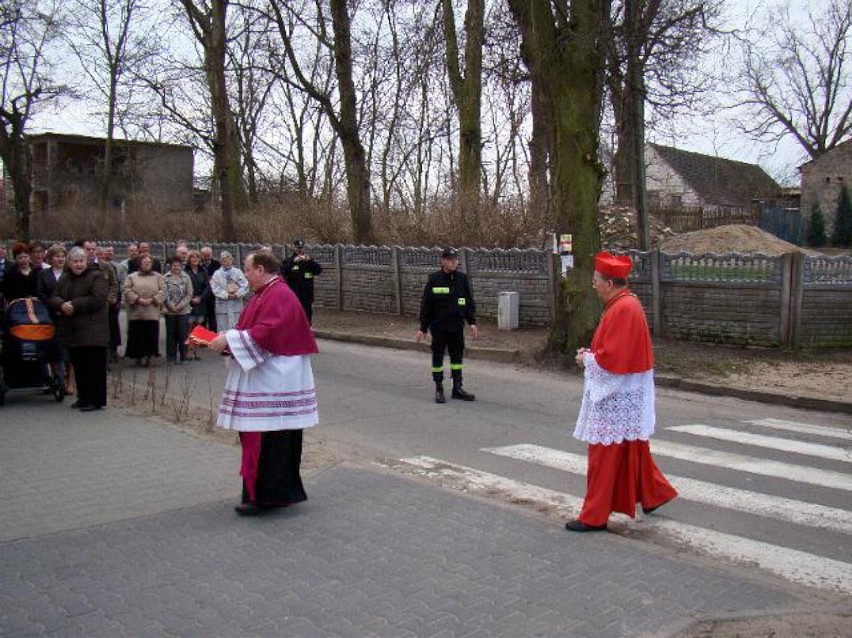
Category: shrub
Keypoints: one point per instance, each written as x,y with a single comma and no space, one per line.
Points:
816,228
843,221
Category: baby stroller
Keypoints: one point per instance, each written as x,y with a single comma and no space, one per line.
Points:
27,348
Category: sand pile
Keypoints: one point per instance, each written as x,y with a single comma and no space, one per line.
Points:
733,238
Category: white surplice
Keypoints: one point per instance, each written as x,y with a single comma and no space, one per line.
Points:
266,392
616,407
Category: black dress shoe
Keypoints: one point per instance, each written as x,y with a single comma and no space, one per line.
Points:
648,510
579,526
91,408
79,404
247,509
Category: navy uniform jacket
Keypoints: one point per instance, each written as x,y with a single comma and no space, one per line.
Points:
299,275
447,302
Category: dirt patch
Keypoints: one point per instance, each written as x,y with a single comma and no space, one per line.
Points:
732,238
162,395
805,624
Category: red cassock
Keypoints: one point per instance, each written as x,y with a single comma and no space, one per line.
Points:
621,474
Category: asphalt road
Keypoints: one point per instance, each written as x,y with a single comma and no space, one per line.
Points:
115,524
376,405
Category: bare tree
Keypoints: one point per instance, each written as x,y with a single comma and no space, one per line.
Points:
28,30
798,78
566,55
209,25
253,85
467,95
655,48
344,118
103,38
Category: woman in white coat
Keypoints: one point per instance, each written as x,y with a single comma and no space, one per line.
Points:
229,286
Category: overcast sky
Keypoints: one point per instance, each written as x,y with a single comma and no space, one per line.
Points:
715,135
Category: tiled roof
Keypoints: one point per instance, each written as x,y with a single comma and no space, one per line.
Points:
718,181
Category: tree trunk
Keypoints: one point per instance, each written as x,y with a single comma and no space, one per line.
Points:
209,26
355,158
566,59
15,154
18,166
467,93
109,143
539,149
227,139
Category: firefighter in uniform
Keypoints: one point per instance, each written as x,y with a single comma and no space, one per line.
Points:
447,303
299,271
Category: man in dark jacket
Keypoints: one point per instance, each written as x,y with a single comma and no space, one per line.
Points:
447,303
210,266
299,271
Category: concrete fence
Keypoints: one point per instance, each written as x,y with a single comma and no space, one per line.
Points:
791,300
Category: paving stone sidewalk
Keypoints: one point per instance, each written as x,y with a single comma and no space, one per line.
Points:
114,525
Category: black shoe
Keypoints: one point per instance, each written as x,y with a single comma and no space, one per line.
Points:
459,393
648,510
578,526
439,395
79,404
91,408
247,509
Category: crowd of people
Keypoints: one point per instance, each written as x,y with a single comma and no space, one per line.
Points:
260,316
86,287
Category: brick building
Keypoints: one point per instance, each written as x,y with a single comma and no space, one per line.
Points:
822,180
677,179
66,169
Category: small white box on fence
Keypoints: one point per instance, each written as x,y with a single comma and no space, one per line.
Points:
507,311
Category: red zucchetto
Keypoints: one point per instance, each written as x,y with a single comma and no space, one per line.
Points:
613,265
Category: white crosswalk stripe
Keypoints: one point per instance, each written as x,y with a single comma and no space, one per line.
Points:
803,428
791,563
766,505
796,566
747,438
752,465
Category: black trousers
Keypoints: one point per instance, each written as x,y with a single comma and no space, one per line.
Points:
90,372
308,306
210,313
114,329
177,330
279,478
453,341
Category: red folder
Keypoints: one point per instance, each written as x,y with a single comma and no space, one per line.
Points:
200,336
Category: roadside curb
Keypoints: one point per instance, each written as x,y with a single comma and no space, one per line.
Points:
498,355
503,355
713,389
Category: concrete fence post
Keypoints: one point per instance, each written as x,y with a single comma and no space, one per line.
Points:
656,293
467,266
553,265
396,278
338,265
797,291
784,332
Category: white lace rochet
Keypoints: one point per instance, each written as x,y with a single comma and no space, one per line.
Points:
616,407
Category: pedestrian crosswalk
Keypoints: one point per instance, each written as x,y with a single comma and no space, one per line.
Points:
793,440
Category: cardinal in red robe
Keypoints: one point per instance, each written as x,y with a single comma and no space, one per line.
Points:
617,414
